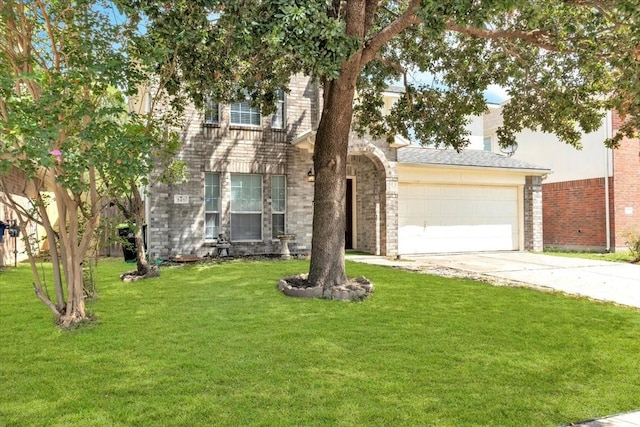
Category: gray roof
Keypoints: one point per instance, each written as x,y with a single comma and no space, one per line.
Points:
396,89
472,158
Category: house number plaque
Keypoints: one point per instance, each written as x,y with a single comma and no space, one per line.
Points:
180,199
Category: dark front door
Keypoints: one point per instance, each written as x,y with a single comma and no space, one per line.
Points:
348,229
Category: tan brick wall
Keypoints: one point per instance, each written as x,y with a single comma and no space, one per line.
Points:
533,219
178,229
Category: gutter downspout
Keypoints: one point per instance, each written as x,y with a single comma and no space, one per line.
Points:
607,203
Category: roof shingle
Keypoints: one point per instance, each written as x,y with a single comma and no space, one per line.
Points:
472,158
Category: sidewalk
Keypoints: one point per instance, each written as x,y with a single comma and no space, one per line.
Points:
630,419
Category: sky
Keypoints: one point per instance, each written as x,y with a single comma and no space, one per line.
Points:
495,94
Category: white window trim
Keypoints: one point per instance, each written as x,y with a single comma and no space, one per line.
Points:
244,125
210,122
214,238
261,212
280,101
284,212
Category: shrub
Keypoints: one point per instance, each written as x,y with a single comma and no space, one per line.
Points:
632,238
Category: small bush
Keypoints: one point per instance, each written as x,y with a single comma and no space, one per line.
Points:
632,238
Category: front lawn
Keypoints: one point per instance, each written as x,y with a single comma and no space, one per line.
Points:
613,256
215,344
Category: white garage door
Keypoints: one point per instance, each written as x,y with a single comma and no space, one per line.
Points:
457,218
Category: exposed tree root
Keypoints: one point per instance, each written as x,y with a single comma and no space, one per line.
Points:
133,276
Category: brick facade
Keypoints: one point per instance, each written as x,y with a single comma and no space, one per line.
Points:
533,219
177,225
575,211
178,228
574,214
626,189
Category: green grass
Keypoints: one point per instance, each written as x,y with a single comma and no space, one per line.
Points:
614,257
218,345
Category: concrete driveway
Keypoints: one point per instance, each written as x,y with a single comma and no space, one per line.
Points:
601,280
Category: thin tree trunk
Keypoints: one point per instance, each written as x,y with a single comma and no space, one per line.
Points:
142,265
137,207
75,299
53,251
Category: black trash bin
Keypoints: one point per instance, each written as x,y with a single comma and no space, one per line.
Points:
128,241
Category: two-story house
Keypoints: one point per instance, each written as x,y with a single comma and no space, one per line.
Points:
250,178
592,197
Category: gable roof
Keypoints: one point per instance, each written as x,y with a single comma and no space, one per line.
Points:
468,158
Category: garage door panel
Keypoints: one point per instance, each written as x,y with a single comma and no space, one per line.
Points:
454,218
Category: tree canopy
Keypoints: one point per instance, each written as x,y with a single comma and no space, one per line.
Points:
561,62
65,69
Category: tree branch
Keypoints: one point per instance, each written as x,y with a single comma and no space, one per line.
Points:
370,13
52,37
354,18
535,37
392,64
404,21
42,296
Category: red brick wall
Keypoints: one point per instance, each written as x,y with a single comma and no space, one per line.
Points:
626,179
573,214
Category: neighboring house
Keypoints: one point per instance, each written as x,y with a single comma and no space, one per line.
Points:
12,250
249,179
22,193
592,197
7,243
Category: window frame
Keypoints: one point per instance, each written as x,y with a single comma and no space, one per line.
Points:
209,106
280,111
282,212
212,212
487,140
252,112
236,212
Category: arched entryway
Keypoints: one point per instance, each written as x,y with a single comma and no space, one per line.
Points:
372,178
371,200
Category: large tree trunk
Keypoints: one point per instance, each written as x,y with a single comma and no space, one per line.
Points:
330,156
330,165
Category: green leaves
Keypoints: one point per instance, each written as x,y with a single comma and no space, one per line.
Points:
562,62
63,89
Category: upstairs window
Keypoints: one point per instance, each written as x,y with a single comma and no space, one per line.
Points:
244,114
211,112
277,120
487,143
